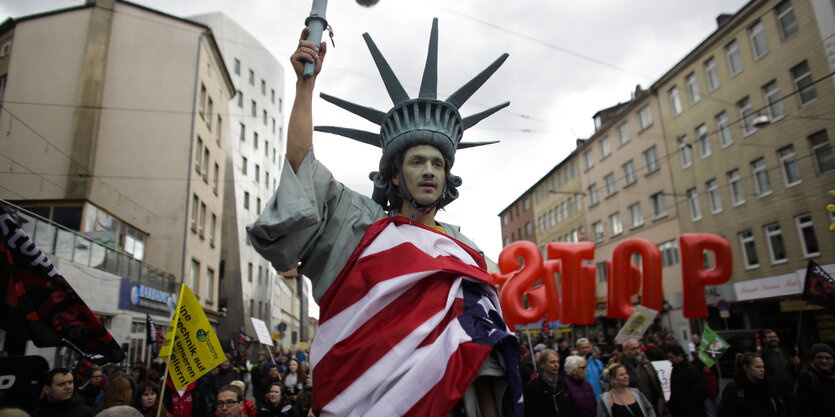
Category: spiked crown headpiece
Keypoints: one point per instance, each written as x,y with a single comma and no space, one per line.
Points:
424,120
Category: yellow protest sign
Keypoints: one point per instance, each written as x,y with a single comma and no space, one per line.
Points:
191,345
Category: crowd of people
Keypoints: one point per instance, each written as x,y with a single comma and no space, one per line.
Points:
564,380
279,385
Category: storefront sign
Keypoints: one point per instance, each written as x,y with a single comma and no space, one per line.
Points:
776,286
145,296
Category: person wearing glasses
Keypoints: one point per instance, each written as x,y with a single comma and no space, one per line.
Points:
816,386
579,389
230,401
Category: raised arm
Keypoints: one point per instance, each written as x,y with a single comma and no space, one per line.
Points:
300,127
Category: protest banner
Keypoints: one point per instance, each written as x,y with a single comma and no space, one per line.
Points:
712,347
638,323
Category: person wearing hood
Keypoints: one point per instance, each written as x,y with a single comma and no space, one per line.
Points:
750,393
59,397
816,386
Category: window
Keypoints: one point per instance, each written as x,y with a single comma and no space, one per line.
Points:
243,165
734,59
264,116
749,250
651,158
593,197
791,173
822,151
724,130
257,174
218,128
526,204
693,88
735,186
255,140
747,116
786,19
806,231
712,74
246,200
249,272
684,149
212,230
762,185
257,205
209,112
644,117
605,148
272,95
609,179
695,206
675,101
704,143
210,284
775,103
614,222
240,96
198,153
194,275
601,272
216,178
205,165
578,203
528,229
266,178
776,246
597,229
623,134
251,77
504,220
713,196
260,275
669,253
237,66
266,148
636,218
273,119
589,158
4,50
263,87
243,133
629,175
201,105
803,81
758,42
194,205
254,107
563,210
659,205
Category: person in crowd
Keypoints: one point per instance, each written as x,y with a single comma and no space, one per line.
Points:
750,394
189,402
583,400
146,399
13,412
547,395
621,400
653,349
118,392
139,373
120,411
247,408
711,381
594,367
693,346
276,405
220,377
265,380
230,401
564,349
642,375
816,385
93,387
526,362
294,377
781,368
59,398
687,388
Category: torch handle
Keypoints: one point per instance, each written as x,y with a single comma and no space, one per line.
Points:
316,24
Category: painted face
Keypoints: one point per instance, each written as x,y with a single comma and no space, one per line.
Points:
551,365
60,389
149,398
621,377
423,173
228,404
275,394
580,371
823,361
756,371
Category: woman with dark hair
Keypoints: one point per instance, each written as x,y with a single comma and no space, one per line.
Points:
620,400
117,393
277,405
139,373
750,394
146,399
294,377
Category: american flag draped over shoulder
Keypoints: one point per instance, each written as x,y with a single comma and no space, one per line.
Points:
406,326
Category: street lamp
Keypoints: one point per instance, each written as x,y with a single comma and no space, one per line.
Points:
761,121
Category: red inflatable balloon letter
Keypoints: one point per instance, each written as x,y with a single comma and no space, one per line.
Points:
694,277
577,280
520,283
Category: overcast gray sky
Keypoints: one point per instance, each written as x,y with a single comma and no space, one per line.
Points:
568,59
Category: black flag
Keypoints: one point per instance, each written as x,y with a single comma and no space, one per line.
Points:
41,306
153,335
820,287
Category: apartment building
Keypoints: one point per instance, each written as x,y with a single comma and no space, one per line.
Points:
517,220
747,120
113,117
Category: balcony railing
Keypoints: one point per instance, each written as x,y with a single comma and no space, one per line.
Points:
58,241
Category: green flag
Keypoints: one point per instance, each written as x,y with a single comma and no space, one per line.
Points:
712,347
